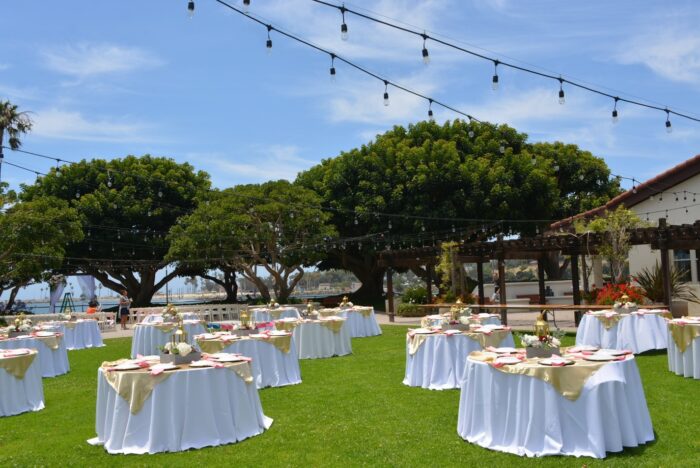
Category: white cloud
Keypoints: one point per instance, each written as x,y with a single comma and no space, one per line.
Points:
72,125
4,66
86,60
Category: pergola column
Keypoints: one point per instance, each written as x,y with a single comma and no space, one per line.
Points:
540,280
480,279
429,281
576,287
390,294
502,286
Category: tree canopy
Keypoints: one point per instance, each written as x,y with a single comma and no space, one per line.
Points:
127,206
477,172
276,226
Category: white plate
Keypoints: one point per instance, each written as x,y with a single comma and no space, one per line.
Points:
201,364
45,333
127,366
579,348
168,366
14,352
507,360
225,357
493,327
613,352
206,336
555,362
278,333
423,331
599,357
504,350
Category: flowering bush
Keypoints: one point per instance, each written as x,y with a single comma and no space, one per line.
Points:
611,293
183,349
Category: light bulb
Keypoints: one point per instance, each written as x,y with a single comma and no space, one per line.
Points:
430,115
246,6
494,83
190,8
556,168
534,160
386,98
426,56
268,44
502,149
333,74
562,100
344,32
471,133
669,128
615,118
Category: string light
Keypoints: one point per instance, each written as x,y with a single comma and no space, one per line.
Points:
614,111
246,6
494,79
562,100
430,111
332,70
426,55
386,93
343,27
190,8
669,129
269,40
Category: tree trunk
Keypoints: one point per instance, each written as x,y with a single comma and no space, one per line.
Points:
13,296
372,280
228,282
552,268
141,289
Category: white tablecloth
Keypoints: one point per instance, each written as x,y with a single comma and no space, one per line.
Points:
148,339
527,416
439,362
158,318
687,363
21,395
315,341
85,334
190,409
483,319
264,315
271,366
360,326
53,362
637,333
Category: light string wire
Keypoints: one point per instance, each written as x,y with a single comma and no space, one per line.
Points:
561,80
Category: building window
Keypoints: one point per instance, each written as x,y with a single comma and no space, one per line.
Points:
681,261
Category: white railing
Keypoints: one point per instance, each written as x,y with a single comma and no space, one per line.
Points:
105,320
206,312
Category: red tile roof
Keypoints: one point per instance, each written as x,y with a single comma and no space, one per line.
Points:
661,183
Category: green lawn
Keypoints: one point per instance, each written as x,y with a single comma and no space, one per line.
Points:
348,411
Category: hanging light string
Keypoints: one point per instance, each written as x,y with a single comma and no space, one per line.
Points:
497,62
335,57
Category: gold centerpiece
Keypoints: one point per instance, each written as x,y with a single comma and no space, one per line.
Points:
178,350
345,303
541,344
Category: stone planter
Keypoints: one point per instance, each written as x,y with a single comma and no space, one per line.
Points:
14,334
531,352
457,326
244,332
177,359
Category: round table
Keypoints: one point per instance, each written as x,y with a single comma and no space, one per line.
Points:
269,315
79,334
437,362
637,331
53,356
275,359
20,381
150,337
361,321
317,338
190,408
527,416
158,318
684,347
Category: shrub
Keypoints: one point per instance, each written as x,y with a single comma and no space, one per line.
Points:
411,310
651,282
611,293
417,295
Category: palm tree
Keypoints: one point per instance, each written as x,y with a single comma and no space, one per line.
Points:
14,123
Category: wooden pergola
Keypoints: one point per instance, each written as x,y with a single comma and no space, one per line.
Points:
663,238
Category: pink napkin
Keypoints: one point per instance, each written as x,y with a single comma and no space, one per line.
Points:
498,364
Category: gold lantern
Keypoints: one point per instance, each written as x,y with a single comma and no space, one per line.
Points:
309,308
344,302
624,299
456,310
541,326
244,317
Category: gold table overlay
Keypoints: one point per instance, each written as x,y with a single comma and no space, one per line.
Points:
286,326
609,322
136,386
18,365
567,380
333,325
69,324
283,343
328,312
683,335
492,339
51,341
365,311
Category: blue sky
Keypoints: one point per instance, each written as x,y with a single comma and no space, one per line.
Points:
106,79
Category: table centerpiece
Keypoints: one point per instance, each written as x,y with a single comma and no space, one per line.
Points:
542,344
178,350
345,303
21,326
455,319
624,305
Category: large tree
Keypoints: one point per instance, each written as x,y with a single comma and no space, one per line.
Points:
13,124
127,206
273,229
460,170
35,237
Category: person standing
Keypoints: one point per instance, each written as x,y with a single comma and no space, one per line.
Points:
124,304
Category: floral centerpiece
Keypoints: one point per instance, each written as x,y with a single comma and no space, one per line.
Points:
625,305
21,326
345,303
246,325
170,313
454,320
542,344
273,305
178,350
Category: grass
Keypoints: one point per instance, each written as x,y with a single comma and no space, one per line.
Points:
348,411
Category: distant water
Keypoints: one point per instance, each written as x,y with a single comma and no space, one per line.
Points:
40,307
